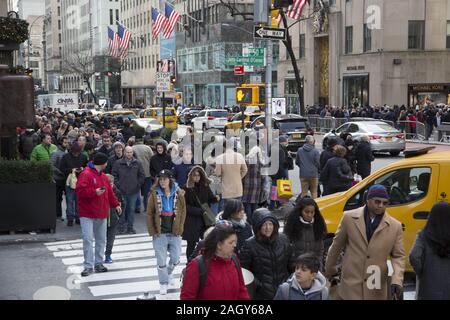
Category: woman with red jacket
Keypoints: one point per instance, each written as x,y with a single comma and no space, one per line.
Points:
224,279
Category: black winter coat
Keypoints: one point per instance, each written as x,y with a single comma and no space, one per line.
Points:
364,158
159,162
336,176
268,260
69,162
194,227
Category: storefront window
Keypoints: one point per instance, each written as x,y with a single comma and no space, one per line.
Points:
356,90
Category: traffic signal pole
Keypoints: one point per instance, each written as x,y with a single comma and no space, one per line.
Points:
269,80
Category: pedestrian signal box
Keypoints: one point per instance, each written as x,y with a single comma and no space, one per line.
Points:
251,94
244,95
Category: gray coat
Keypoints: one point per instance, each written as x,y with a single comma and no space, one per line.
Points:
128,178
432,271
291,290
308,159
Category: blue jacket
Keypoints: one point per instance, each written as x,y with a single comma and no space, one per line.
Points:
308,159
181,172
167,202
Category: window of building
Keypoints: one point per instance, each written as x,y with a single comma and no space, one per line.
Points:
117,15
416,34
448,34
302,46
348,40
59,24
111,16
367,38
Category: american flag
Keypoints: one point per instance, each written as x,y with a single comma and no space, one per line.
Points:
172,17
159,21
113,43
295,10
125,36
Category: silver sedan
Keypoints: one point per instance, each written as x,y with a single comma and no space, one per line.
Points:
383,137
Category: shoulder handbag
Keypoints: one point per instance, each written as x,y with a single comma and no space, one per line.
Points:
208,217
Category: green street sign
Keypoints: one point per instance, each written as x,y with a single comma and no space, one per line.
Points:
256,52
256,61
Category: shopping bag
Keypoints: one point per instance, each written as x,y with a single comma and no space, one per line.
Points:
284,189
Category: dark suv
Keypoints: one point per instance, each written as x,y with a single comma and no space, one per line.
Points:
295,127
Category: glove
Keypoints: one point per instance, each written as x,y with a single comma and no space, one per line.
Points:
396,292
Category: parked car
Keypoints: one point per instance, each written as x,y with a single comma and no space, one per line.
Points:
210,119
295,127
187,115
121,113
383,137
235,122
157,113
145,123
414,185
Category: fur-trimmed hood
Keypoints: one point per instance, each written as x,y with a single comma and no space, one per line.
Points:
190,182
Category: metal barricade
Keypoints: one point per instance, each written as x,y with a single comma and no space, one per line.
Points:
326,124
414,130
313,121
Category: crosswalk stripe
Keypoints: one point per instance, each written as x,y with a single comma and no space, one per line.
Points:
80,245
128,288
129,264
124,236
117,256
127,274
168,296
134,247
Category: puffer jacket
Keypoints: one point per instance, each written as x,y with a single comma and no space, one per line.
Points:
291,290
242,232
306,243
268,259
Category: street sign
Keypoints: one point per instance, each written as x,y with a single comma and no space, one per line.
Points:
163,83
255,61
238,70
269,33
278,105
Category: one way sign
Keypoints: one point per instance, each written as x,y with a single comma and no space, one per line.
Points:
269,33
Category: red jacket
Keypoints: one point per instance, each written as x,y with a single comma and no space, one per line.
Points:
222,282
90,205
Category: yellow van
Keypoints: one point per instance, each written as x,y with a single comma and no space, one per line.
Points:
157,113
415,184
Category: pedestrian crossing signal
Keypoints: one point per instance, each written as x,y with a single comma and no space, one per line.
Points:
244,95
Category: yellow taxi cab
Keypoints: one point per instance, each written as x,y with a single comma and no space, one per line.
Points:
157,113
414,184
235,122
120,113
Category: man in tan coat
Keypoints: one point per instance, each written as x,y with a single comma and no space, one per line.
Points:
368,236
231,168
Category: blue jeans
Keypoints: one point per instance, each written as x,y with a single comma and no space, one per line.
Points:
93,229
162,244
128,216
71,204
145,189
217,207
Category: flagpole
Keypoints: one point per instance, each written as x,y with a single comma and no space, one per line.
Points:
187,15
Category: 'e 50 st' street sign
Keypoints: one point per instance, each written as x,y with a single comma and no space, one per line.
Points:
269,33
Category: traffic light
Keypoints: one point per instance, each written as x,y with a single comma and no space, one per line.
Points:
173,79
244,95
282,3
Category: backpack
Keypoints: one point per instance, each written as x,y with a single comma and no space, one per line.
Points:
203,270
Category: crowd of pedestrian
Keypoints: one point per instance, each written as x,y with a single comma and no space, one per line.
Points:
108,174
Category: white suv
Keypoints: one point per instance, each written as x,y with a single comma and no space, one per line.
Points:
210,119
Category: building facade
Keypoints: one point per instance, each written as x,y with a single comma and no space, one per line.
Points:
53,47
31,52
370,52
139,67
84,51
202,49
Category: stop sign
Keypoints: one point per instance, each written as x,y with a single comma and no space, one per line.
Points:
238,70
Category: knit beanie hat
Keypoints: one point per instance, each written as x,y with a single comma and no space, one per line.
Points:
377,191
100,158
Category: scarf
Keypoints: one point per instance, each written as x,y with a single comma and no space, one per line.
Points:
240,223
306,222
371,226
